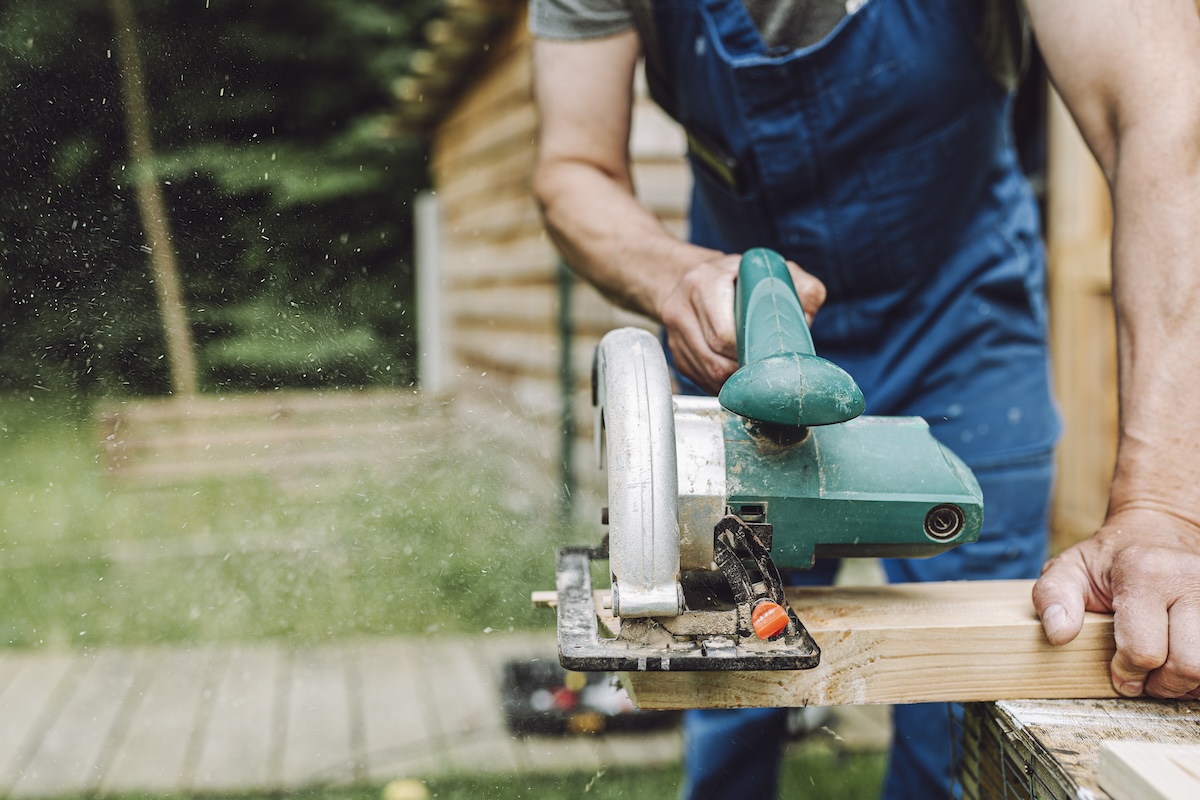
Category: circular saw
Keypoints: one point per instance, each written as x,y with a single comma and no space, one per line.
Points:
709,498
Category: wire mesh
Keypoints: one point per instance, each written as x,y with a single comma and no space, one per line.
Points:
993,765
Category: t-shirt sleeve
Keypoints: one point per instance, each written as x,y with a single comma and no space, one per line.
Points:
578,19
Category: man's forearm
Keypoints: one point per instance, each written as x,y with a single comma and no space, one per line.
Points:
1156,274
609,238
1129,73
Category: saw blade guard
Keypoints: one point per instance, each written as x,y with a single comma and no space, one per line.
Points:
635,429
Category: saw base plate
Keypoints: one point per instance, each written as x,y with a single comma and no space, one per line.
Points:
706,638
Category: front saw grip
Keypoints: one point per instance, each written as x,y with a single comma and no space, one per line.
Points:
714,633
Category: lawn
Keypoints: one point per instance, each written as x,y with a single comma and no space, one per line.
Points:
434,544
810,771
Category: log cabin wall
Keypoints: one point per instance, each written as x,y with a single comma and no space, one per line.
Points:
504,299
1082,329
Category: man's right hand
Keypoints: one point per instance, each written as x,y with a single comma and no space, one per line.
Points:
585,188
698,316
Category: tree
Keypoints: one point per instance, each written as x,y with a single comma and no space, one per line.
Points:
180,350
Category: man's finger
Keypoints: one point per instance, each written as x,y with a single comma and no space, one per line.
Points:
714,313
694,359
1180,675
809,289
1059,597
1140,629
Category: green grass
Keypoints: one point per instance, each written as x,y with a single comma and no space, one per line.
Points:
813,772
436,546
807,771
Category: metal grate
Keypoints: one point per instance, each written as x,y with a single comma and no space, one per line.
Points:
992,764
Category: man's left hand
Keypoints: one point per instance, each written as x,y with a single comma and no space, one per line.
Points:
1143,566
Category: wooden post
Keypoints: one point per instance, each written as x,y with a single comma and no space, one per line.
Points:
180,350
1083,329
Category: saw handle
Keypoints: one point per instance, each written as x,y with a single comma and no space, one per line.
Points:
781,380
767,312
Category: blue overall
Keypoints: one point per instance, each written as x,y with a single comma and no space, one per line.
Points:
881,161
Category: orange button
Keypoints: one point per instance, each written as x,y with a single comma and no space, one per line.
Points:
768,618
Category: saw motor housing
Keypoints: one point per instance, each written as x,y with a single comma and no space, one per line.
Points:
708,498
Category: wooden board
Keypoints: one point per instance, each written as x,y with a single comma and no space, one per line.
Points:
1082,328
906,643
157,442
1150,771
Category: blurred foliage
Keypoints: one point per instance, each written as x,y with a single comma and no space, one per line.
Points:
289,200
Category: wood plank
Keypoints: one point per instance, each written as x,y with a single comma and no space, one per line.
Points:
653,134
239,743
511,167
317,744
1078,236
1150,771
538,753
11,664
511,125
515,352
508,76
1078,207
664,187
505,216
152,756
399,724
505,166
531,260
75,750
166,472
1086,378
213,439
514,214
31,701
157,442
908,643
269,404
594,315
642,748
532,306
467,706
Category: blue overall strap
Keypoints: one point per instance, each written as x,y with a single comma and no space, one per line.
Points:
880,160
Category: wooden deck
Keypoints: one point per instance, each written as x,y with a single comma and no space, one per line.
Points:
267,717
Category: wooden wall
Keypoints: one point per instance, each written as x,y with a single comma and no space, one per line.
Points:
1083,330
499,270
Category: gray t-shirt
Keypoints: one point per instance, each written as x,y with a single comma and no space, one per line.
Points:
781,23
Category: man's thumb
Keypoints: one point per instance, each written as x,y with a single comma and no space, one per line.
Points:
1058,597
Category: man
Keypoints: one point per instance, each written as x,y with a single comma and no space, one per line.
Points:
868,142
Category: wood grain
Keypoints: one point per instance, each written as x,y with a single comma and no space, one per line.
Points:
1150,770
908,643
